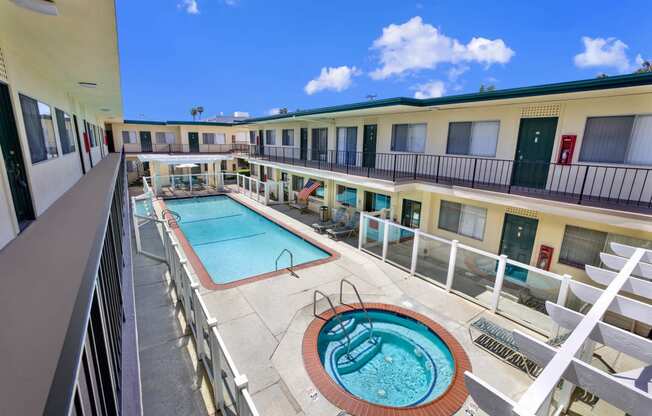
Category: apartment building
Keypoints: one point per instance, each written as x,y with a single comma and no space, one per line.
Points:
68,340
548,175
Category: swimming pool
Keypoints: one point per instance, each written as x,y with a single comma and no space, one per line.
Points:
233,242
387,358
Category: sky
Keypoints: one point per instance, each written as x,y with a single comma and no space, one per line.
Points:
258,56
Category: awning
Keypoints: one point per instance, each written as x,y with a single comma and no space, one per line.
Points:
182,159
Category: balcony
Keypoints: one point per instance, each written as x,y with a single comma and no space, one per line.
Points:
604,186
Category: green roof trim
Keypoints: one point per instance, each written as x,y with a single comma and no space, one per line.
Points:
158,123
593,84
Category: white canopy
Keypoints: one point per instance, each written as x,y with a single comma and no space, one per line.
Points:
183,159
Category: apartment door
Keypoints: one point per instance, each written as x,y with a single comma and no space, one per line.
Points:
347,143
145,141
303,144
319,144
193,142
13,158
411,213
536,137
261,142
517,243
369,146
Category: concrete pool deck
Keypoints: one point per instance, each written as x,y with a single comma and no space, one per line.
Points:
263,323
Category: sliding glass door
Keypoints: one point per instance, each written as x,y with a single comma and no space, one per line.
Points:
347,140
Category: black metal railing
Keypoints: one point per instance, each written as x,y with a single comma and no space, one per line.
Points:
617,187
185,148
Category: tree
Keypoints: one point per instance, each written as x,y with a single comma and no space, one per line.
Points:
601,75
283,110
489,87
193,113
645,67
200,110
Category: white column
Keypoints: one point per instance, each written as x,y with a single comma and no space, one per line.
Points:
385,238
498,285
415,252
451,265
362,235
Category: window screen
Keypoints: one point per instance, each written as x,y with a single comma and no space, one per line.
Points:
288,137
477,138
409,138
606,139
581,246
270,137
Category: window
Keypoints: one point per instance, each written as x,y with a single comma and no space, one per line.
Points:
346,145
254,170
473,138
208,138
164,137
288,137
241,137
347,196
91,134
129,137
297,183
462,219
223,166
375,202
40,129
284,176
581,246
131,166
270,137
66,132
409,138
220,138
252,137
319,192
618,139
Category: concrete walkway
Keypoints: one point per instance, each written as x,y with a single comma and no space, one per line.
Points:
170,383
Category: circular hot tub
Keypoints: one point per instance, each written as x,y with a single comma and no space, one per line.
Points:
385,358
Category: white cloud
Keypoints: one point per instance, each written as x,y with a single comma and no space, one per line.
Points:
332,78
190,6
231,2
273,111
456,71
415,45
609,52
432,89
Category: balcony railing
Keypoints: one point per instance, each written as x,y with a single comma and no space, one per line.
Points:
615,187
185,148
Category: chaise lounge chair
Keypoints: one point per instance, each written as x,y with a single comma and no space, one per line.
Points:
346,230
337,219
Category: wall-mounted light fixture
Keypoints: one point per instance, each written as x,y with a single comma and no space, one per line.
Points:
40,6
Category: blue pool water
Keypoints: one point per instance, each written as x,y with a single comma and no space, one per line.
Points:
234,242
403,364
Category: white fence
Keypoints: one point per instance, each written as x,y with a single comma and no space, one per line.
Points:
229,385
505,286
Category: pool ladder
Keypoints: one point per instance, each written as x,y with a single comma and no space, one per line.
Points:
291,268
175,215
336,315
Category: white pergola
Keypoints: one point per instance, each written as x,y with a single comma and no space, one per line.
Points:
630,391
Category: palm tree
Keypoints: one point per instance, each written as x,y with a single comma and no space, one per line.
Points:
200,110
193,113
645,67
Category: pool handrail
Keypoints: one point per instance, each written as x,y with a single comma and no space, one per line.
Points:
364,308
291,268
335,315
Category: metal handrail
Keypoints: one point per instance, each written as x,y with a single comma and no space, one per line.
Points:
285,250
174,214
336,315
364,308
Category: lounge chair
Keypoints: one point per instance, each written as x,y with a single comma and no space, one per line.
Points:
300,204
346,230
337,219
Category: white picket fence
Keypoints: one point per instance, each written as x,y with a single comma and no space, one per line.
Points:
230,387
503,285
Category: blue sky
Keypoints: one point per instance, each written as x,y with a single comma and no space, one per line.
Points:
257,56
